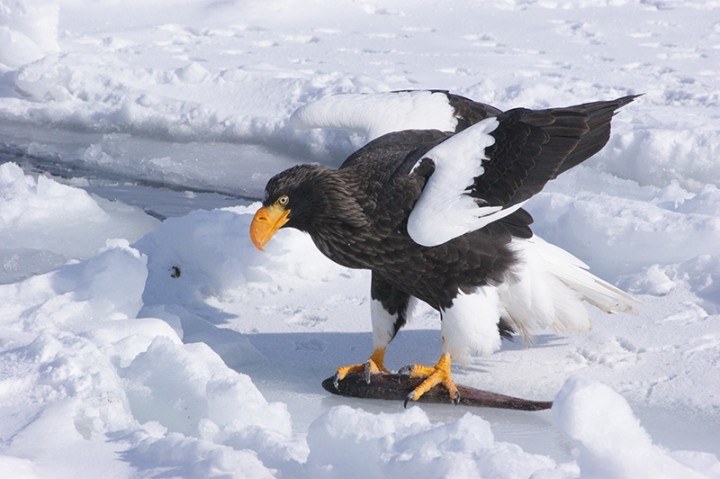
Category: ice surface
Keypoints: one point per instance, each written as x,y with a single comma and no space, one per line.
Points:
131,347
44,223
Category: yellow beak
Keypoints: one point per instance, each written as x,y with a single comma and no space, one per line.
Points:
266,222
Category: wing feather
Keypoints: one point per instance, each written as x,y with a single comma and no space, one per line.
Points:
489,170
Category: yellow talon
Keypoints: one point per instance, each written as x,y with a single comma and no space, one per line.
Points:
374,365
438,374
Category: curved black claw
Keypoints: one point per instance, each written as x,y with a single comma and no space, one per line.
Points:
409,397
367,373
405,371
455,398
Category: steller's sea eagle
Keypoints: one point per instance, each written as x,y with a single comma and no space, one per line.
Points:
433,207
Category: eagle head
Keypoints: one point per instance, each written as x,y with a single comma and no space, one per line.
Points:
308,198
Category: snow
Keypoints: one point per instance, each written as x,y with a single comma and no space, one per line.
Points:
463,337
375,115
142,335
611,441
408,444
44,223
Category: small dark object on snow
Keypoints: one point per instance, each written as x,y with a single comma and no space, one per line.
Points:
175,272
396,388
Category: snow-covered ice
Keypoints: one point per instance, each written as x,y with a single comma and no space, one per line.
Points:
142,335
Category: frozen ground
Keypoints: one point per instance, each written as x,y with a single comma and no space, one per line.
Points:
135,347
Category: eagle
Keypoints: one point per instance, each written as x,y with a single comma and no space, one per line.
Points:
433,207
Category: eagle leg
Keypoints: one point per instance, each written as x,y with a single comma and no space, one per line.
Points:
434,375
374,365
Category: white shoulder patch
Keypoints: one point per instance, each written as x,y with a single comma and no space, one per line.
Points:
444,211
374,115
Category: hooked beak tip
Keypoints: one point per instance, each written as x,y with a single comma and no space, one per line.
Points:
259,246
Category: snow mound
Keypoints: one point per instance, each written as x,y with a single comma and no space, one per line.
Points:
376,115
77,361
207,252
175,455
44,223
108,286
28,30
208,255
610,441
659,155
188,389
592,215
407,444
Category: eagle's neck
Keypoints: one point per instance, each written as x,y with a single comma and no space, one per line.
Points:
331,203
337,222
342,244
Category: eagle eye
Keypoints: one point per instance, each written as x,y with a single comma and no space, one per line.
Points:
283,200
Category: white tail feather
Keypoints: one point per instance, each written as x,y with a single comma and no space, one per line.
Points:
549,288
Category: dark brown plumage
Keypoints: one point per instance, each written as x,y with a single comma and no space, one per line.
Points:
358,214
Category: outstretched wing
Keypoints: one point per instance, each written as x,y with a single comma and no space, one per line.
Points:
376,114
488,171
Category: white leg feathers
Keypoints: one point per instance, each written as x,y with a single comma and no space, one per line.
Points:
548,291
470,325
383,324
